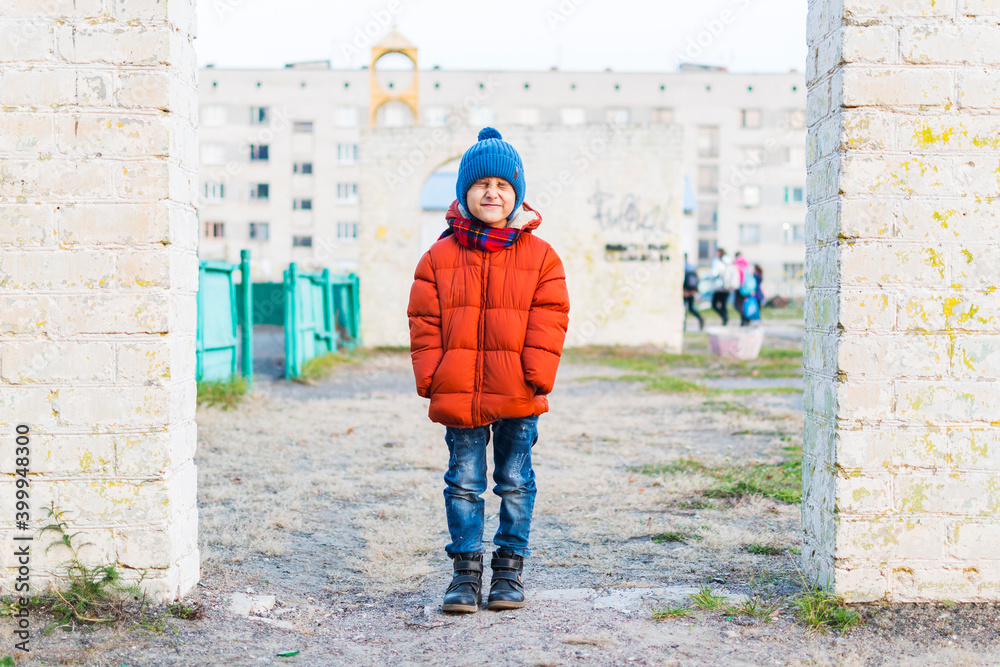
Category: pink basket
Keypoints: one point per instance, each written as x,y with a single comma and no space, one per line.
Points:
735,343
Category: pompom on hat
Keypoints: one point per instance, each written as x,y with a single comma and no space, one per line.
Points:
491,156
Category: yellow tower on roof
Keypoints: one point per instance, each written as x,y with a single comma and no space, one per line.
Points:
384,92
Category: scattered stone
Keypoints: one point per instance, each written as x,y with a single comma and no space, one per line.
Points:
244,605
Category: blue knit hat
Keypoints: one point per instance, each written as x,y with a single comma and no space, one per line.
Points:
491,156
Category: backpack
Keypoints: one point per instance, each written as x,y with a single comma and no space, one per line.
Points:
749,286
691,281
731,277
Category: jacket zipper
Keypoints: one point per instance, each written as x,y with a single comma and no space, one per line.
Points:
477,386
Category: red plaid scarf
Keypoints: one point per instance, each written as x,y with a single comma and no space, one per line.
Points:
474,234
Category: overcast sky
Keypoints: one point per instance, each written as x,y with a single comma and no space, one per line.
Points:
625,35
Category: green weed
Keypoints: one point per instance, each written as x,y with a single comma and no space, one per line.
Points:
320,367
671,611
780,481
764,549
708,598
821,610
95,594
664,538
756,606
225,393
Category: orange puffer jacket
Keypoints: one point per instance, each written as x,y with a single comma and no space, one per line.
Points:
487,328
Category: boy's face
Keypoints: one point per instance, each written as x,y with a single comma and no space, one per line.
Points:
491,199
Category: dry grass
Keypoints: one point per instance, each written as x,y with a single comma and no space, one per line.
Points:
271,467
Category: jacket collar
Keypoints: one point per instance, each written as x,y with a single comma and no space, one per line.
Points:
526,218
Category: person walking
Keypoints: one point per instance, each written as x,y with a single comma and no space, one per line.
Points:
742,291
690,292
488,314
720,294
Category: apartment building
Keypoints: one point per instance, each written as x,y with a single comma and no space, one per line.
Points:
279,149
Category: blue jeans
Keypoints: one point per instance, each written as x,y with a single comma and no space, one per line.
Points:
466,481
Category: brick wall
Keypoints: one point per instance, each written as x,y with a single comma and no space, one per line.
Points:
98,276
902,349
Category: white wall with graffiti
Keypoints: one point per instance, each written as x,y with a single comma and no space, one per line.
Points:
611,200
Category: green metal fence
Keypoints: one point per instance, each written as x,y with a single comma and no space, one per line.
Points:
347,309
322,314
222,326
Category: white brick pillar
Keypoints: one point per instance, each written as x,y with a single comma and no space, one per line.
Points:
902,351
98,276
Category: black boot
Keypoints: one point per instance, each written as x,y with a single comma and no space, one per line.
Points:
464,594
506,588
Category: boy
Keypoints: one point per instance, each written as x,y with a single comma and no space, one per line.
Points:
488,314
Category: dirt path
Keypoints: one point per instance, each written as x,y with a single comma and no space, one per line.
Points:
329,498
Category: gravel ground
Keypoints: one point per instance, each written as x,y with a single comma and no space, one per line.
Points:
329,498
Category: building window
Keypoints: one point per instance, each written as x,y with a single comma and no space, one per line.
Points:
573,115
302,168
794,119
618,116
528,116
435,116
213,153
750,195
794,271
213,115
753,155
793,233
260,231
751,118
347,230
794,156
302,204
347,193
706,249
347,116
347,153
708,179
302,241
750,234
259,115
215,191
708,141
708,216
260,191
258,153
662,116
302,127
794,195
481,116
214,230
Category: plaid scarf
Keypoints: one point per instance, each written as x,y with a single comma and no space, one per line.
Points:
478,236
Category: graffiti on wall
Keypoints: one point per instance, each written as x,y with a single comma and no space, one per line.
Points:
626,214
